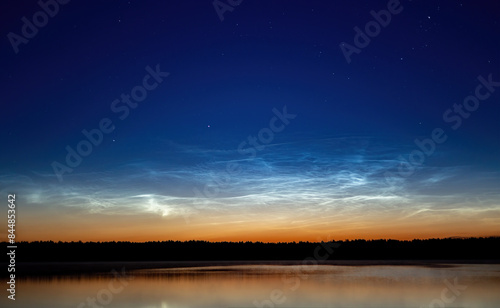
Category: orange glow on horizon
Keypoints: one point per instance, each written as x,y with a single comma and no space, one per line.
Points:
45,226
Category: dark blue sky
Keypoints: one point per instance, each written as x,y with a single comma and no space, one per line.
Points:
348,155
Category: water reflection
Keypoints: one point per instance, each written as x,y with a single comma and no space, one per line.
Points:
271,286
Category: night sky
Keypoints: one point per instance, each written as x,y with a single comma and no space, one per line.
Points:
250,120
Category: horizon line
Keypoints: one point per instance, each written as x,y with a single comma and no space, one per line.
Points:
262,242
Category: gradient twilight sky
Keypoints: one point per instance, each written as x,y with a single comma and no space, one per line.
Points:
261,130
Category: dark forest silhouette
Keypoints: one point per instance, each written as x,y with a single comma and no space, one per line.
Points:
429,249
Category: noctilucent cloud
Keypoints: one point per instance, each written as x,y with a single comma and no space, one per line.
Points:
250,120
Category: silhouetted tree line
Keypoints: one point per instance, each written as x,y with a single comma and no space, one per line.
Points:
429,249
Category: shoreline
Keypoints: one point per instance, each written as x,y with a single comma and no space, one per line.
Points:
48,269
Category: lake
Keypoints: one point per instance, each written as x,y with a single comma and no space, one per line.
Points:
400,286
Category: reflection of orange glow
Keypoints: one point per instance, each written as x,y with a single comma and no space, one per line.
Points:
266,227
334,286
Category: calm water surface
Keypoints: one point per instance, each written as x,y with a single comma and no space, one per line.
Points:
271,286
